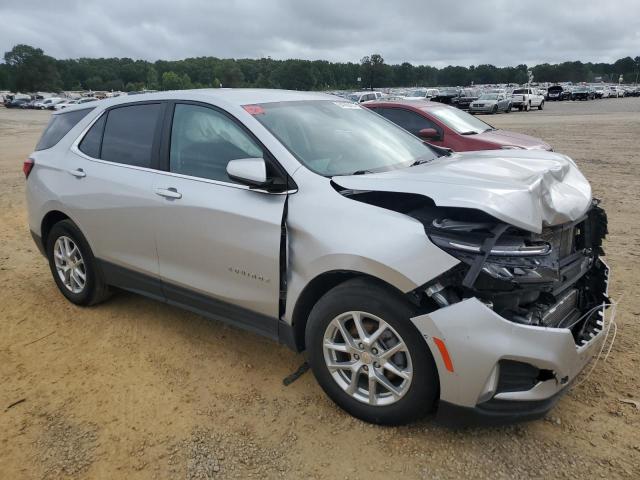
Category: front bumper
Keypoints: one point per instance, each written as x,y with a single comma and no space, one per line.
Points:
478,340
484,109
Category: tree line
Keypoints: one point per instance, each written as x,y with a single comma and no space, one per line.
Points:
29,69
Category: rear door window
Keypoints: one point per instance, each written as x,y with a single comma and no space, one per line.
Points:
129,134
59,125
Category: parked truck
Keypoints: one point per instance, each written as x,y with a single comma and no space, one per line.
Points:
527,98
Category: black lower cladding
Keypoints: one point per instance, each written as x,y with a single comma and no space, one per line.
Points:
197,302
494,412
38,241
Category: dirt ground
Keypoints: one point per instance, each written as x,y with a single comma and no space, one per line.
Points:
137,389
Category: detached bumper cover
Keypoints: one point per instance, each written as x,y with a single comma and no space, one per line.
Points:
477,339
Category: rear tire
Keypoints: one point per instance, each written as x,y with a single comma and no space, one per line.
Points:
495,109
353,380
541,106
508,110
73,266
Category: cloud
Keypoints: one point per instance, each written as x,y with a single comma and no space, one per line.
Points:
436,32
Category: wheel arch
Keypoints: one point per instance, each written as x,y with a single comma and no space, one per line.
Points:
316,288
49,220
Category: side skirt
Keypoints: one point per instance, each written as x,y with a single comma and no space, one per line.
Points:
197,302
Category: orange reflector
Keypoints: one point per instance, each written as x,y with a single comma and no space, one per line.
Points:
444,353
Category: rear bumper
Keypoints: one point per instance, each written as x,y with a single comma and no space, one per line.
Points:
479,342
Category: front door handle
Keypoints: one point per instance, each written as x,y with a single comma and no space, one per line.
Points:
168,192
78,172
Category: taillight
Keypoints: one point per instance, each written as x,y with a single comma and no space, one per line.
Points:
27,166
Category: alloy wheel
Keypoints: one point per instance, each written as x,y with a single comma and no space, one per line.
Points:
367,358
69,264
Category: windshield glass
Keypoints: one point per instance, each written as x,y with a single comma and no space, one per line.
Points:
354,97
521,91
340,138
418,93
462,122
489,96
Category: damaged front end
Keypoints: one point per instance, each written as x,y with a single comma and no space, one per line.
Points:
552,279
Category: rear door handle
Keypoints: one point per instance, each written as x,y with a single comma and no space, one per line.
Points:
168,192
78,172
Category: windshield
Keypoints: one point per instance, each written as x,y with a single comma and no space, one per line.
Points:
418,93
488,96
462,122
354,97
521,91
340,138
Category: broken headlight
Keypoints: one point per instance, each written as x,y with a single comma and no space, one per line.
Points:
501,251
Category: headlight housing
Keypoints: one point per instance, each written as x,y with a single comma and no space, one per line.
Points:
503,252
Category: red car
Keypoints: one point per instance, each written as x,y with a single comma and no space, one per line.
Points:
452,128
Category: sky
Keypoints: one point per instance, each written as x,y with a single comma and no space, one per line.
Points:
430,32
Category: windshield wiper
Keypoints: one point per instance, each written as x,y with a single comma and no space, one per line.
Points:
470,132
422,161
360,172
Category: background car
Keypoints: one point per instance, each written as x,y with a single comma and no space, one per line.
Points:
360,97
602,91
64,104
466,97
448,96
556,93
422,94
527,98
617,92
491,103
450,127
47,102
16,102
582,93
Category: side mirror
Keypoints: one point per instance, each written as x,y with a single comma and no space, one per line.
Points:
248,171
429,134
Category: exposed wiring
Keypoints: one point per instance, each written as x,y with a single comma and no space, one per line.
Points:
610,324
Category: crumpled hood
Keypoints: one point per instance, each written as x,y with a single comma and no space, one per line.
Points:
529,189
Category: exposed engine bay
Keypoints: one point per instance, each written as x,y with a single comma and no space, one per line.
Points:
551,279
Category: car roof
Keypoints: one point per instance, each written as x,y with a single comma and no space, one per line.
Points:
233,96
417,104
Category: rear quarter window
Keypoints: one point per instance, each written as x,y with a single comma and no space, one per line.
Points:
59,125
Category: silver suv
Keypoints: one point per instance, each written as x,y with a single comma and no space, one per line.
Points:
415,279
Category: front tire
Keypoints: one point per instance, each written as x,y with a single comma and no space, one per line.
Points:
541,106
367,355
73,265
